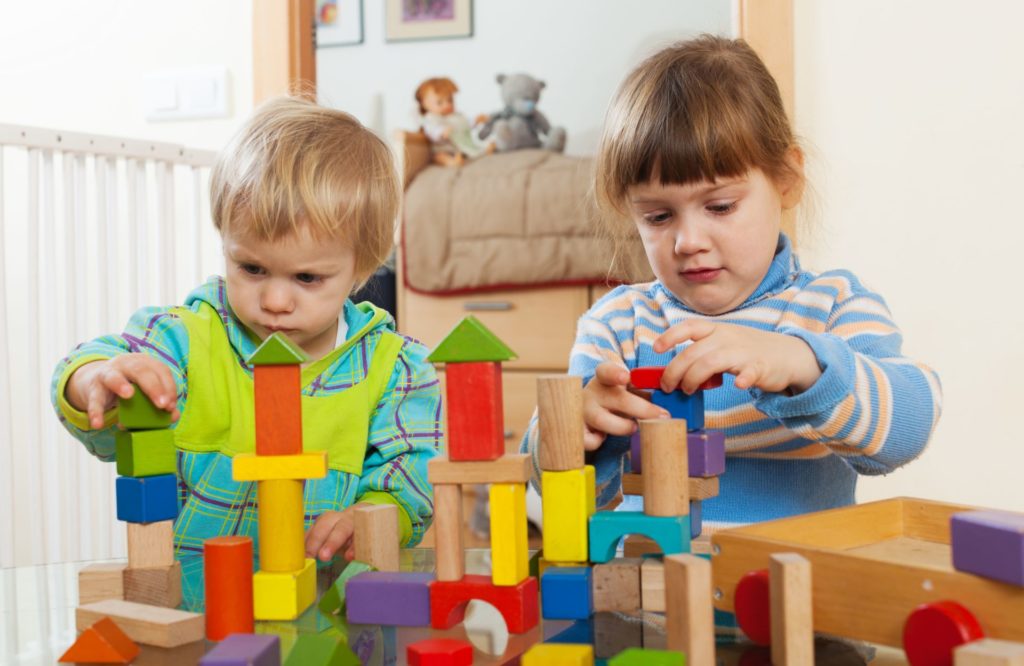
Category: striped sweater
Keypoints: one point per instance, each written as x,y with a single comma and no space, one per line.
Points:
871,411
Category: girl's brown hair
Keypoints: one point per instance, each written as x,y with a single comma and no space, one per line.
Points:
440,86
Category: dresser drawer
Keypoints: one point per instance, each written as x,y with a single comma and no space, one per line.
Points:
538,324
519,398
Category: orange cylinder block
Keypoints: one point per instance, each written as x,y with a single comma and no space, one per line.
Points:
227,572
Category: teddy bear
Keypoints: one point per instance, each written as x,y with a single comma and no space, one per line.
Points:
520,124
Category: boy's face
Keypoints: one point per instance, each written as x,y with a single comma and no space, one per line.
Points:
710,243
435,102
296,285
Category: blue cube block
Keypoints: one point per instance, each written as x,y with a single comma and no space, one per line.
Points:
147,499
682,406
695,518
565,593
579,632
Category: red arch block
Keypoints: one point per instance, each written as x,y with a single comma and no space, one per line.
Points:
518,604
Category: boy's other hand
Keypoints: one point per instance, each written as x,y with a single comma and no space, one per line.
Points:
333,531
609,408
95,387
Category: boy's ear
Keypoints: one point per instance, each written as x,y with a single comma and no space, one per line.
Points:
791,187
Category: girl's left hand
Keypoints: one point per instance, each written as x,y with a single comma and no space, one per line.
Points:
772,362
332,531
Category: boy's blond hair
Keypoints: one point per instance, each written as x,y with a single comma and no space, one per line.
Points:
296,165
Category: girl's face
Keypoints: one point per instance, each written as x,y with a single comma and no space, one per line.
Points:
711,243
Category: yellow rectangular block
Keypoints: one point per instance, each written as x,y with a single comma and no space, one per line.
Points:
283,596
282,538
559,654
568,504
510,556
251,467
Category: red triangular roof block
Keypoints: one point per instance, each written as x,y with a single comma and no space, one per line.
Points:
102,643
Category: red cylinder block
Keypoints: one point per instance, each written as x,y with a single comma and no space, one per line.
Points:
227,574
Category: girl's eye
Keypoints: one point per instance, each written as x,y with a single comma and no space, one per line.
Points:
660,217
308,278
721,208
251,269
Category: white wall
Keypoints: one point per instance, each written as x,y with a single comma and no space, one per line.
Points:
915,113
580,48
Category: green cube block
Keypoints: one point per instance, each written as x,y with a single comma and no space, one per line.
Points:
145,452
321,650
139,413
643,657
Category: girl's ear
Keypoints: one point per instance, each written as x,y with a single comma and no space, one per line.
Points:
791,186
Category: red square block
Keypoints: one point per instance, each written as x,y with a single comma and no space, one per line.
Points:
440,652
476,427
518,604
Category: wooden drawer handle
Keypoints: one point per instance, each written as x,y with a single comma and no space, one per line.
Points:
489,306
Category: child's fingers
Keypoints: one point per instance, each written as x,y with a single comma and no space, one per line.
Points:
98,397
318,533
635,407
340,537
116,382
592,439
611,374
747,378
150,382
691,329
604,421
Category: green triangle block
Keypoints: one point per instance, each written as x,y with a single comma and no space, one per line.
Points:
321,650
139,413
471,341
333,600
278,350
645,657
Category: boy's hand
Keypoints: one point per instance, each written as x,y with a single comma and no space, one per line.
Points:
333,531
773,362
610,409
95,387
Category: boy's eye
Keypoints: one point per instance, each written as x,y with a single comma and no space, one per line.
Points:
721,208
308,278
251,269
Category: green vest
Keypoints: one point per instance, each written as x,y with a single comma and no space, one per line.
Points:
220,416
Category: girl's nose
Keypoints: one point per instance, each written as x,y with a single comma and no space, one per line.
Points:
276,298
690,238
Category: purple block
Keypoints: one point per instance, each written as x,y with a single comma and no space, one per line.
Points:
245,650
393,598
705,451
990,544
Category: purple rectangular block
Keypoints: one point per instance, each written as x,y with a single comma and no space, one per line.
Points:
705,451
393,598
245,650
990,544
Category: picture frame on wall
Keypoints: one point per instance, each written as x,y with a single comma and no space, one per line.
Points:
339,23
410,20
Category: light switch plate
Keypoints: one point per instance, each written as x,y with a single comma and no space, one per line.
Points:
186,93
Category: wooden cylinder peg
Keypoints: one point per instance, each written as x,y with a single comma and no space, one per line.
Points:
666,467
560,414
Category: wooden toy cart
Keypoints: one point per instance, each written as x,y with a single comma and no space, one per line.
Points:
872,566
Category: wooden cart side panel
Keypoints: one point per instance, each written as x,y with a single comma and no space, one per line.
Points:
869,599
928,520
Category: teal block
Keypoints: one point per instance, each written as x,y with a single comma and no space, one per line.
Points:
139,413
644,657
321,650
671,533
145,452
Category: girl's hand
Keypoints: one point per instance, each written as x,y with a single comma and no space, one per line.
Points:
773,362
610,409
95,387
333,531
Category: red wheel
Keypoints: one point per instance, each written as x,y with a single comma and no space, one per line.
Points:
753,606
933,630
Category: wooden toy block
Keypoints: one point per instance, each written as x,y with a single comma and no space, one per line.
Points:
510,551
705,452
283,595
147,499
690,408
617,585
151,544
615,632
321,650
333,601
637,545
792,622
101,581
280,523
252,467
666,484
672,533
559,654
516,603
560,419
580,632
470,341
227,580
696,519
102,642
934,630
543,565
278,349
139,413
476,425
156,586
649,377
440,652
145,452
990,544
376,536
245,649
392,598
636,656
652,585
569,501
150,625
449,543
699,489
510,468
989,652
566,593
689,612
278,405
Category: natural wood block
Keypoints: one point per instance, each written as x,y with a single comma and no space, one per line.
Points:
151,544
792,619
652,585
449,542
689,615
282,537
989,652
152,625
510,468
617,585
156,586
637,545
560,419
252,467
666,486
376,536
699,488
101,581
510,553
569,501
278,408
284,595
615,632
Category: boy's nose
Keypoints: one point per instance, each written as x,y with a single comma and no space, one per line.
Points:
276,298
